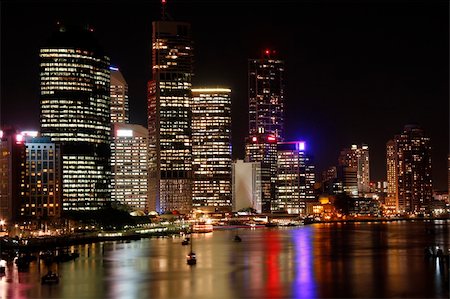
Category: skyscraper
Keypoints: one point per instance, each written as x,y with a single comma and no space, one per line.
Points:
295,178
75,112
129,160
263,149
211,148
411,185
356,159
266,95
170,117
119,97
266,119
391,174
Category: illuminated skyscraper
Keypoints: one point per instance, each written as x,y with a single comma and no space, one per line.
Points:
129,160
263,149
411,151
266,96
170,117
356,160
266,120
211,148
119,97
295,178
75,112
391,169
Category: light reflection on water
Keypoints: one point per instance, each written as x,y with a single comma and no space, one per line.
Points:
318,261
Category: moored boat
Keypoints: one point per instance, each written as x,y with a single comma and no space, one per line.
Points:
50,278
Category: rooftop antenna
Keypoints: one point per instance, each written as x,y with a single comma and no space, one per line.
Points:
163,2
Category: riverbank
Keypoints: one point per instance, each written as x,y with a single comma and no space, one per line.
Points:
50,242
376,220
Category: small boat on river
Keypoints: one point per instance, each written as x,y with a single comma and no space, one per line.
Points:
50,278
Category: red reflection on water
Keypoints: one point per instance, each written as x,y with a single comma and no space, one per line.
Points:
273,286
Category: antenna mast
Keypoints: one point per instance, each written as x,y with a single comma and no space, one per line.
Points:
163,2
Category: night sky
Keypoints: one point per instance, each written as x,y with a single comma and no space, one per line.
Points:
356,71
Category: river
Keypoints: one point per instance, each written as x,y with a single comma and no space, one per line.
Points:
352,260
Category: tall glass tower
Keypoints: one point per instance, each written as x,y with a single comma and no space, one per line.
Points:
266,120
211,148
75,112
170,117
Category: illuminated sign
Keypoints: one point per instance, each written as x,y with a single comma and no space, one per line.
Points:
271,138
301,146
29,133
113,68
19,138
124,133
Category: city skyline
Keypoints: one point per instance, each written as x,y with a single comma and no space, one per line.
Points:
315,80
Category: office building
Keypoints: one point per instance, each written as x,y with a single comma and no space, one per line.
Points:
40,196
266,95
356,158
129,160
211,148
12,159
75,112
246,185
170,117
266,119
263,149
295,178
119,96
410,183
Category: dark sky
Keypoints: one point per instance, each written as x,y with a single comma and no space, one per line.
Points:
356,71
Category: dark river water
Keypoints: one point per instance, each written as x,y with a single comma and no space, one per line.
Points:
354,260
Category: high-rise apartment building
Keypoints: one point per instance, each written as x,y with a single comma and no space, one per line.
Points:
75,112
295,178
411,184
129,160
391,169
40,196
357,159
211,148
170,117
266,119
119,97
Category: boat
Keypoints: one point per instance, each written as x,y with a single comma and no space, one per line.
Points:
191,258
50,278
237,238
185,242
202,227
